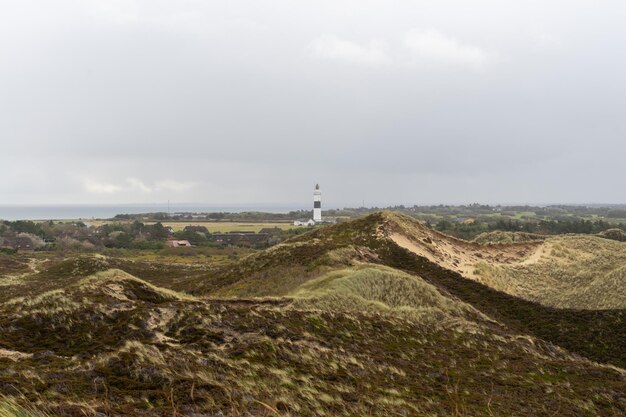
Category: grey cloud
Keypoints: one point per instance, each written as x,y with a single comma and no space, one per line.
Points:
120,101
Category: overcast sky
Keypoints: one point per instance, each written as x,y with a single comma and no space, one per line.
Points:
391,102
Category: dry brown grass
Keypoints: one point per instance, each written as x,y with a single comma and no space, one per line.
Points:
500,237
582,272
574,271
111,284
452,253
12,407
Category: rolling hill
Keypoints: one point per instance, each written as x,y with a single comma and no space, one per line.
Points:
377,316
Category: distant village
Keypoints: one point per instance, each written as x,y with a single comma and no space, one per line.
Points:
142,232
28,236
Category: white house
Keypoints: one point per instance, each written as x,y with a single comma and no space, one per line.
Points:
309,222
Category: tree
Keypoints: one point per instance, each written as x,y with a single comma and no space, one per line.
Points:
158,231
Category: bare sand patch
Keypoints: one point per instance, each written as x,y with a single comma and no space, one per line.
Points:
461,256
14,355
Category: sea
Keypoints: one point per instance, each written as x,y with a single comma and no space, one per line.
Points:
91,212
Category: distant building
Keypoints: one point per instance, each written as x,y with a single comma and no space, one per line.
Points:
178,244
18,243
309,222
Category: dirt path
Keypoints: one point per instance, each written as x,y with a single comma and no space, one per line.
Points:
34,263
539,253
17,279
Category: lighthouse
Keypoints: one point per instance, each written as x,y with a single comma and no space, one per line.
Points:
317,204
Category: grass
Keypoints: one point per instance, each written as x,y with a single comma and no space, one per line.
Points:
184,255
500,237
596,334
580,272
379,289
524,214
274,272
13,264
10,407
225,227
294,356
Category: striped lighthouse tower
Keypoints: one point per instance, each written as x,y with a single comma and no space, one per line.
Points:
317,204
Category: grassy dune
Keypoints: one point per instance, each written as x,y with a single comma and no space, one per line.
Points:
408,350
341,321
382,290
595,334
574,271
581,272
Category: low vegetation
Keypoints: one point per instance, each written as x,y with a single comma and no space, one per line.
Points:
489,238
381,290
340,321
614,234
581,272
10,407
